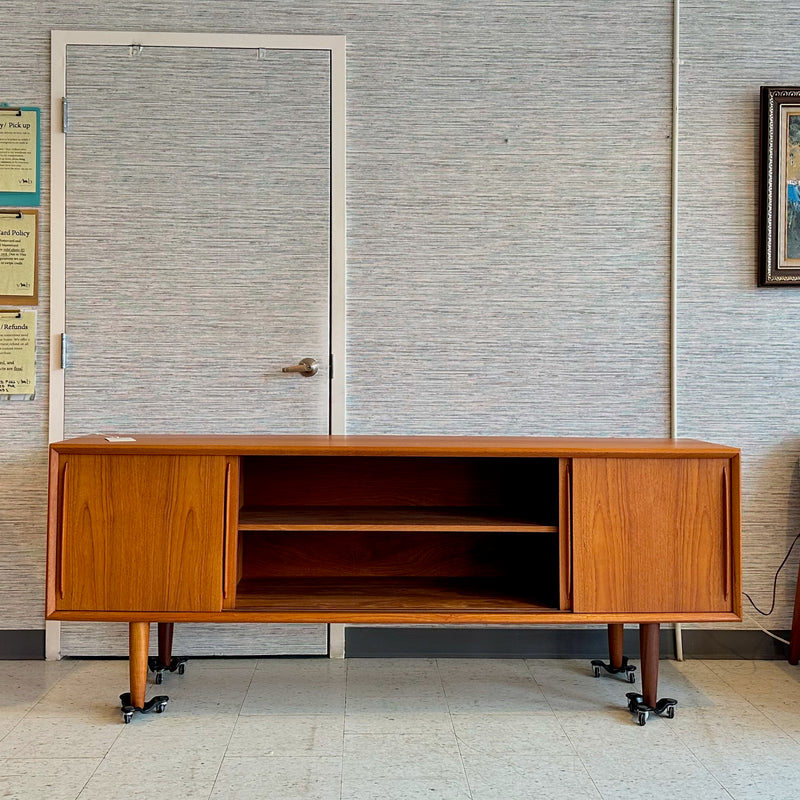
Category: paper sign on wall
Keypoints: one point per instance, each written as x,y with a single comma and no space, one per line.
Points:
17,353
18,256
19,156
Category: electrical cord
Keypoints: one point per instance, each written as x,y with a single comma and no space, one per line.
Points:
764,630
774,582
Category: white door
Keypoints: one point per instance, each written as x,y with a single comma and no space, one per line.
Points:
198,241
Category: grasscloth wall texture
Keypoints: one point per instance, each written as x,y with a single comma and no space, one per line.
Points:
508,233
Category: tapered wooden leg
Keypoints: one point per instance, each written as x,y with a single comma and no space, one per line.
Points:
138,641
165,661
649,640
616,633
794,640
133,701
647,702
618,662
165,631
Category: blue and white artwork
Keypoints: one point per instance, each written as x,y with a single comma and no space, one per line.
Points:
793,188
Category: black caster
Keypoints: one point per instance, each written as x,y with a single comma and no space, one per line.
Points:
177,664
157,704
636,705
625,669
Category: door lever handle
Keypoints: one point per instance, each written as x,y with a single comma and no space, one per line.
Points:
307,367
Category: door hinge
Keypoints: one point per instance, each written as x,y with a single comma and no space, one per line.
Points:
64,115
64,350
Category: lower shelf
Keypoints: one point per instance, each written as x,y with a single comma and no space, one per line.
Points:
386,594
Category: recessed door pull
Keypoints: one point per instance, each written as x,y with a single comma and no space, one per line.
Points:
307,367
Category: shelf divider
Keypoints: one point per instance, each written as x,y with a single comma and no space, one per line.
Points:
379,518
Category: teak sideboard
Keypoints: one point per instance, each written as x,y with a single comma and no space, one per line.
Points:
394,530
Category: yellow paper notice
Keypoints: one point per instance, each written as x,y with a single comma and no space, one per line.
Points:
18,152
17,254
17,353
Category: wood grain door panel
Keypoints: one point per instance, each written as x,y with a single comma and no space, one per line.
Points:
141,533
651,535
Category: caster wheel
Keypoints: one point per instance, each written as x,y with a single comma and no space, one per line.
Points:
596,672
160,708
127,717
641,717
159,677
631,677
181,669
671,712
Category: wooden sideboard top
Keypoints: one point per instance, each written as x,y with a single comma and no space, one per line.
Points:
389,445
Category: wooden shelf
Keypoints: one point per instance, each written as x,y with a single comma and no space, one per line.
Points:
399,518
385,594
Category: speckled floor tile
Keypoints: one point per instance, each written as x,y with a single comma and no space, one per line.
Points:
391,756
657,786
302,698
399,789
54,737
287,735
284,777
315,687
173,736
569,685
508,686
398,720
462,729
24,683
515,733
39,778
205,692
755,773
521,777
150,776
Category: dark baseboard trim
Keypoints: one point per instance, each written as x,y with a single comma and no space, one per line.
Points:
498,643
16,645
753,645
550,643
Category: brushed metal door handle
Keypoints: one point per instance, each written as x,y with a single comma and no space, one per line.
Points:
307,367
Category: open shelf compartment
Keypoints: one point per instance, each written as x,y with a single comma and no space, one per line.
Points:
405,534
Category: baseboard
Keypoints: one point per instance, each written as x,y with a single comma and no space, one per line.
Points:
15,645
365,642
747,644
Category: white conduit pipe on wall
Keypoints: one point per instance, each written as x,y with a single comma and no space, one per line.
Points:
673,291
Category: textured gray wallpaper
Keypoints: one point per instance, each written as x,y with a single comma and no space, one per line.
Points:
739,344
511,273
508,232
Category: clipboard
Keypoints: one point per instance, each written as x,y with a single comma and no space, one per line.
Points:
19,257
20,156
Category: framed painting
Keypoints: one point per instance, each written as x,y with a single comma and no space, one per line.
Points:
779,259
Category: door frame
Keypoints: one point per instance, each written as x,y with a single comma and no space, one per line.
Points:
59,41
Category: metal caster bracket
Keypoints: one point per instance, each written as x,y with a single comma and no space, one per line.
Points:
177,664
625,668
665,707
157,704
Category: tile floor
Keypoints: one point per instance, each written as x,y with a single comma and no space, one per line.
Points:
372,729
